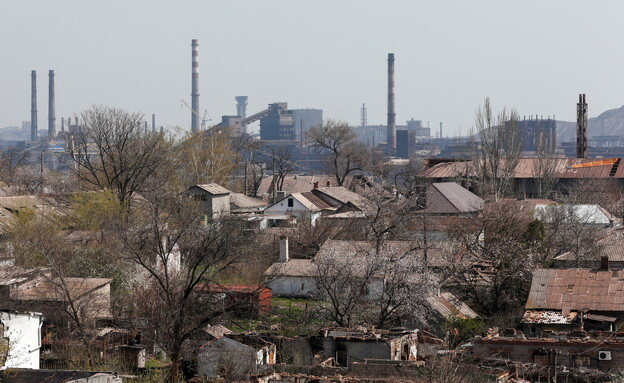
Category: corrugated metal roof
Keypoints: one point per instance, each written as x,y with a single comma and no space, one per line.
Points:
316,201
462,199
214,189
529,168
577,289
343,195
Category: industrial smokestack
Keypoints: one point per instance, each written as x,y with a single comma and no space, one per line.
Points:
581,127
391,113
51,102
195,86
62,124
33,105
153,123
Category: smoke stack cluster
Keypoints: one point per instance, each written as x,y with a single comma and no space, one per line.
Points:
391,140
33,105
195,86
581,127
51,101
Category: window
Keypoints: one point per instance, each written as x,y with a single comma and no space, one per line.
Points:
291,203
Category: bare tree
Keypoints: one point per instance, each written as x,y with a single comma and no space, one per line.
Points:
544,167
112,150
281,164
364,283
572,228
179,255
492,266
205,158
495,160
11,159
344,154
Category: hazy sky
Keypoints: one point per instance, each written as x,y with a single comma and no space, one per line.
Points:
533,55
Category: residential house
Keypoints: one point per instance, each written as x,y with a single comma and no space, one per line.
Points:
20,339
241,203
225,357
568,354
341,197
566,172
215,199
611,246
297,207
348,346
571,214
248,300
449,198
574,299
36,289
295,184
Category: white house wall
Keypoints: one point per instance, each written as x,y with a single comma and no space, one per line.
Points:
23,331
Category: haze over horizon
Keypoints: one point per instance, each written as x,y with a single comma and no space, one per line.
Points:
533,56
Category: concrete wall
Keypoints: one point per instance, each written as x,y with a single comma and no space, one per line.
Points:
22,331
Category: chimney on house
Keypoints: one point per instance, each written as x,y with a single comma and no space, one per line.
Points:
328,184
316,184
283,249
604,263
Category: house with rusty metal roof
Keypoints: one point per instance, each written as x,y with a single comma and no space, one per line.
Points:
564,171
575,299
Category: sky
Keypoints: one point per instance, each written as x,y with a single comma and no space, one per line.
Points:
535,56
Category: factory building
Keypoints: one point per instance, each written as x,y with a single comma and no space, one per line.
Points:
305,119
278,124
538,133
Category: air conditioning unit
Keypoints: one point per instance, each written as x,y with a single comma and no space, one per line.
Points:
604,355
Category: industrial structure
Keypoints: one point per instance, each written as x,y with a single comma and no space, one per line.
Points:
241,106
51,102
581,127
538,134
195,86
391,139
33,105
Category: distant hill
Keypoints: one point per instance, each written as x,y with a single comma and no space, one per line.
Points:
609,123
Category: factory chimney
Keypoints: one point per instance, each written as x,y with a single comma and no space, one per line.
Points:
581,127
33,106
153,123
195,86
51,103
391,140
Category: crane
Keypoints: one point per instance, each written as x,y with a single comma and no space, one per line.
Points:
202,118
